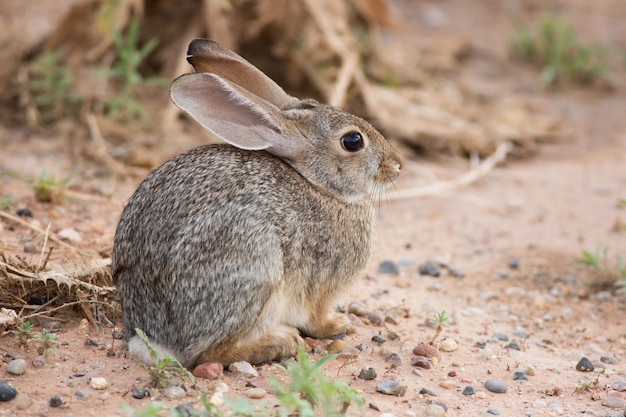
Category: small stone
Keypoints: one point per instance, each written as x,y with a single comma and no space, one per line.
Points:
527,369
378,339
186,410
386,414
392,335
495,385
99,383
619,386
7,391
245,369
553,405
357,308
349,353
388,267
222,387
429,268
374,318
31,247
499,336
175,393
52,325
448,345
368,373
434,410
422,362
39,361
391,387
426,350
614,402
513,345
394,359
519,376
452,374
315,343
217,399
56,401
208,370
24,212
513,262
425,391
455,271
519,332
117,335
447,384
493,412
469,390
16,367
23,403
391,317
584,365
70,234
79,394
609,360
255,393
139,393
336,346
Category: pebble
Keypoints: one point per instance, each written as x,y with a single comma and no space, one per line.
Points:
519,376
426,350
447,384
367,373
56,401
7,391
394,359
16,367
513,345
513,262
391,387
79,394
619,386
52,325
140,393
456,271
23,403
384,414
493,412
499,336
584,365
99,383
391,317
469,390
527,369
374,318
609,360
429,268
378,339
448,345
425,391
421,361
553,405
495,385
334,347
186,410
388,267
255,393
434,410
24,212
31,247
520,332
217,399
349,353
245,369
222,387
392,335
208,370
175,393
39,361
357,308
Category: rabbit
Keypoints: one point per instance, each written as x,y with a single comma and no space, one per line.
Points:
234,252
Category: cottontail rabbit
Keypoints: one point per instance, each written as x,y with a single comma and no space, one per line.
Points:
230,252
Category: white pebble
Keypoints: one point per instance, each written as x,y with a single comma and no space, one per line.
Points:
448,345
434,410
99,383
217,399
221,387
243,368
16,367
255,393
175,393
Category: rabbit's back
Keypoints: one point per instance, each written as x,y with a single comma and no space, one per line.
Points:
212,235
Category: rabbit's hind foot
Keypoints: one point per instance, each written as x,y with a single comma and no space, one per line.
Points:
278,343
331,326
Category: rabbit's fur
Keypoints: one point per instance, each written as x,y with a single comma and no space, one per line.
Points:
231,252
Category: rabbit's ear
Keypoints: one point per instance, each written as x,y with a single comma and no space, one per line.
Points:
232,113
209,56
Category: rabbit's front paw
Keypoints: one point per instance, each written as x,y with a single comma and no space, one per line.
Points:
333,326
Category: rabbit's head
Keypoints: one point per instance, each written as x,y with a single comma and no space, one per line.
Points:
334,150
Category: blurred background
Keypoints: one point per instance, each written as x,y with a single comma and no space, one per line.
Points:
453,77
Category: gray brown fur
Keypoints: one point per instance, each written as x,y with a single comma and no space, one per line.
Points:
226,254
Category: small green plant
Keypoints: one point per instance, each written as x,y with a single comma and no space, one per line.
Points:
153,409
599,262
125,69
553,45
5,202
24,332
50,190
163,370
47,341
51,88
310,389
439,321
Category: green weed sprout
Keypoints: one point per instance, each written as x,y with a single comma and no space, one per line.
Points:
310,389
25,333
599,261
125,68
439,320
47,341
50,190
164,369
554,46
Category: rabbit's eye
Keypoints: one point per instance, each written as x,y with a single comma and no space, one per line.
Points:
352,141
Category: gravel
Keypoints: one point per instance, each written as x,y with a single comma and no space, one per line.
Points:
429,268
469,390
584,365
388,267
7,391
245,369
16,367
495,385
391,387
368,373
